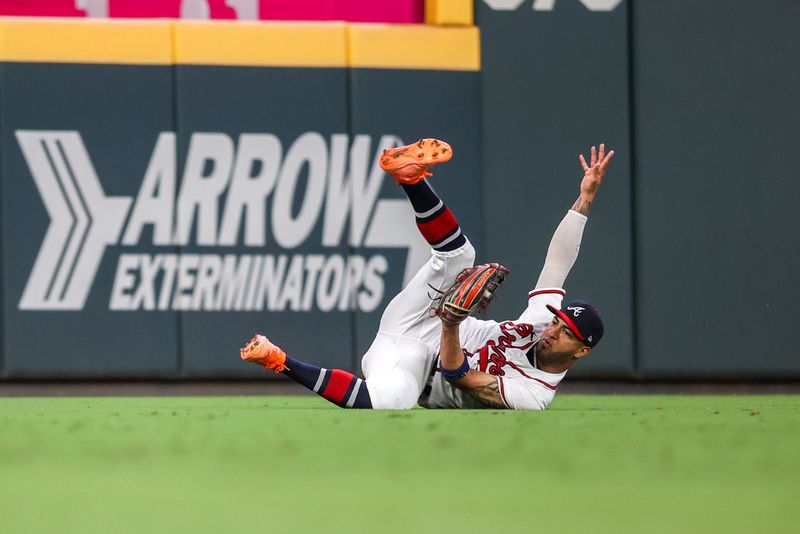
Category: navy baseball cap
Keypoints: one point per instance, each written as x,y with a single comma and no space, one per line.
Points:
583,319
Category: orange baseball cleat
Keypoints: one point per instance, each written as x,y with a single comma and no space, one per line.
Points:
409,164
262,351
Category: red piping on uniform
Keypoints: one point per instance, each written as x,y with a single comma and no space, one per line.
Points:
542,382
503,392
545,292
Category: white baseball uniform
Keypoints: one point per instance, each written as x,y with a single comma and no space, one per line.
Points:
502,350
400,365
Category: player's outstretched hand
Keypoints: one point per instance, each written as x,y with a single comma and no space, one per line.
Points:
594,172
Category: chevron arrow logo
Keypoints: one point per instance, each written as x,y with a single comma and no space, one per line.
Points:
83,221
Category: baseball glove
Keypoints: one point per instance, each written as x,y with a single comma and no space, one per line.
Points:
472,291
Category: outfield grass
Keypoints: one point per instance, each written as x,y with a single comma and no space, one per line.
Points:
297,464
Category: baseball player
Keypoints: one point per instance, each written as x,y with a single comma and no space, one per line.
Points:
432,352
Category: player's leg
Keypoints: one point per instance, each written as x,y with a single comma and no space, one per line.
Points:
398,363
395,368
435,221
409,165
410,312
451,251
337,386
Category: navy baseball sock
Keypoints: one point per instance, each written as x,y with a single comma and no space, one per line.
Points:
337,386
435,221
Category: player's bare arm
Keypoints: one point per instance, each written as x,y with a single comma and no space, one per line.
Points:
481,386
593,174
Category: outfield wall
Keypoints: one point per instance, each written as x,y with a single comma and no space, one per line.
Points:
185,184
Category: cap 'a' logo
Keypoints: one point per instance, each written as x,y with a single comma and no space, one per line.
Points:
576,310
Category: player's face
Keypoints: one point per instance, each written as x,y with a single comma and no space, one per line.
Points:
558,340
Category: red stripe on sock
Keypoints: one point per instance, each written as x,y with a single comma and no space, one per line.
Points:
435,230
338,385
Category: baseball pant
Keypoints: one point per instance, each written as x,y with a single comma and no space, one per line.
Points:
398,363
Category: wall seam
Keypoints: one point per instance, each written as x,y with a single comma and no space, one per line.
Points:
634,236
179,348
348,91
3,370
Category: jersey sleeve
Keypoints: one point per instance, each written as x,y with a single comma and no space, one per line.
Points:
537,313
526,394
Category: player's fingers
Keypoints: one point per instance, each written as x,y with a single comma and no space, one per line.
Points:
583,162
602,153
594,156
607,158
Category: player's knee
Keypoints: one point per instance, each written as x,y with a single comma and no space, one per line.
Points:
393,391
469,253
460,258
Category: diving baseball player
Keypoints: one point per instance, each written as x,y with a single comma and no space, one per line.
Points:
432,352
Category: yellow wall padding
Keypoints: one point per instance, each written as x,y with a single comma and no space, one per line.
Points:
449,12
410,46
278,44
64,40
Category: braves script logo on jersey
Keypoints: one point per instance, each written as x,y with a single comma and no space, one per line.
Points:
576,310
342,182
492,356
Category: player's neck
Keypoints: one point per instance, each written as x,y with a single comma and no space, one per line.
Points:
555,365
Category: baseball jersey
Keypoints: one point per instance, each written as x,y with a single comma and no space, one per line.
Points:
501,349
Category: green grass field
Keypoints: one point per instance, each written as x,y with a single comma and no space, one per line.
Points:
298,464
